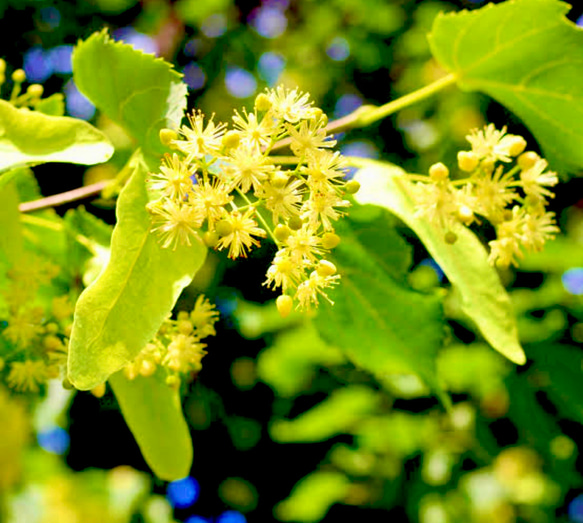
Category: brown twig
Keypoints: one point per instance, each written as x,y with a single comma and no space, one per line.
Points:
63,198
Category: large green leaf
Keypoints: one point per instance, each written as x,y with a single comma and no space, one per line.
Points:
382,325
28,137
483,298
140,92
527,56
122,310
153,412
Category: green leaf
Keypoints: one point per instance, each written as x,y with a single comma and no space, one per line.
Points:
153,413
122,310
465,263
28,137
313,496
526,55
138,91
381,324
337,414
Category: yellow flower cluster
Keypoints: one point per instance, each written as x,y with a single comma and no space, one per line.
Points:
503,184
224,185
36,337
177,346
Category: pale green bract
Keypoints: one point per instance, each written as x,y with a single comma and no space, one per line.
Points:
465,262
30,137
526,55
119,313
153,412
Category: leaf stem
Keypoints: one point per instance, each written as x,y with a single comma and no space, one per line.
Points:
63,198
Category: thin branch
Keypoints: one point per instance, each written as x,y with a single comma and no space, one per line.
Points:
66,197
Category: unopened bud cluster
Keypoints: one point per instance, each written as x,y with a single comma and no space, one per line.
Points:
30,97
177,347
223,186
503,184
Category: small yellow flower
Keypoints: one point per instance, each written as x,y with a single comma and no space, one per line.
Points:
243,228
309,290
26,376
184,354
200,140
204,316
174,178
177,222
290,105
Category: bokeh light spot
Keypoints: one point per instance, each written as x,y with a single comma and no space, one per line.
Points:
269,21
339,49
37,65
60,57
136,39
183,493
214,26
271,66
346,104
576,509
198,519
231,516
573,280
77,105
194,76
240,83
54,440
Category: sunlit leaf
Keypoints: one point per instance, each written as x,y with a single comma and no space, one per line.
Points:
138,91
527,56
313,496
337,414
381,324
11,239
28,137
122,310
153,412
465,262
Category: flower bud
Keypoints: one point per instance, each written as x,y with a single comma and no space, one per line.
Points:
282,232
284,304
224,228
210,239
35,90
98,391
295,223
167,136
517,145
465,214
325,268
330,240
279,179
352,187
18,76
231,139
438,172
467,161
262,102
527,160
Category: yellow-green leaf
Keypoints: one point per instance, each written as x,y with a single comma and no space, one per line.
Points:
28,137
465,262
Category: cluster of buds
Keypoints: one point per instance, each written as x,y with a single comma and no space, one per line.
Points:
177,347
503,184
223,186
30,97
36,338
